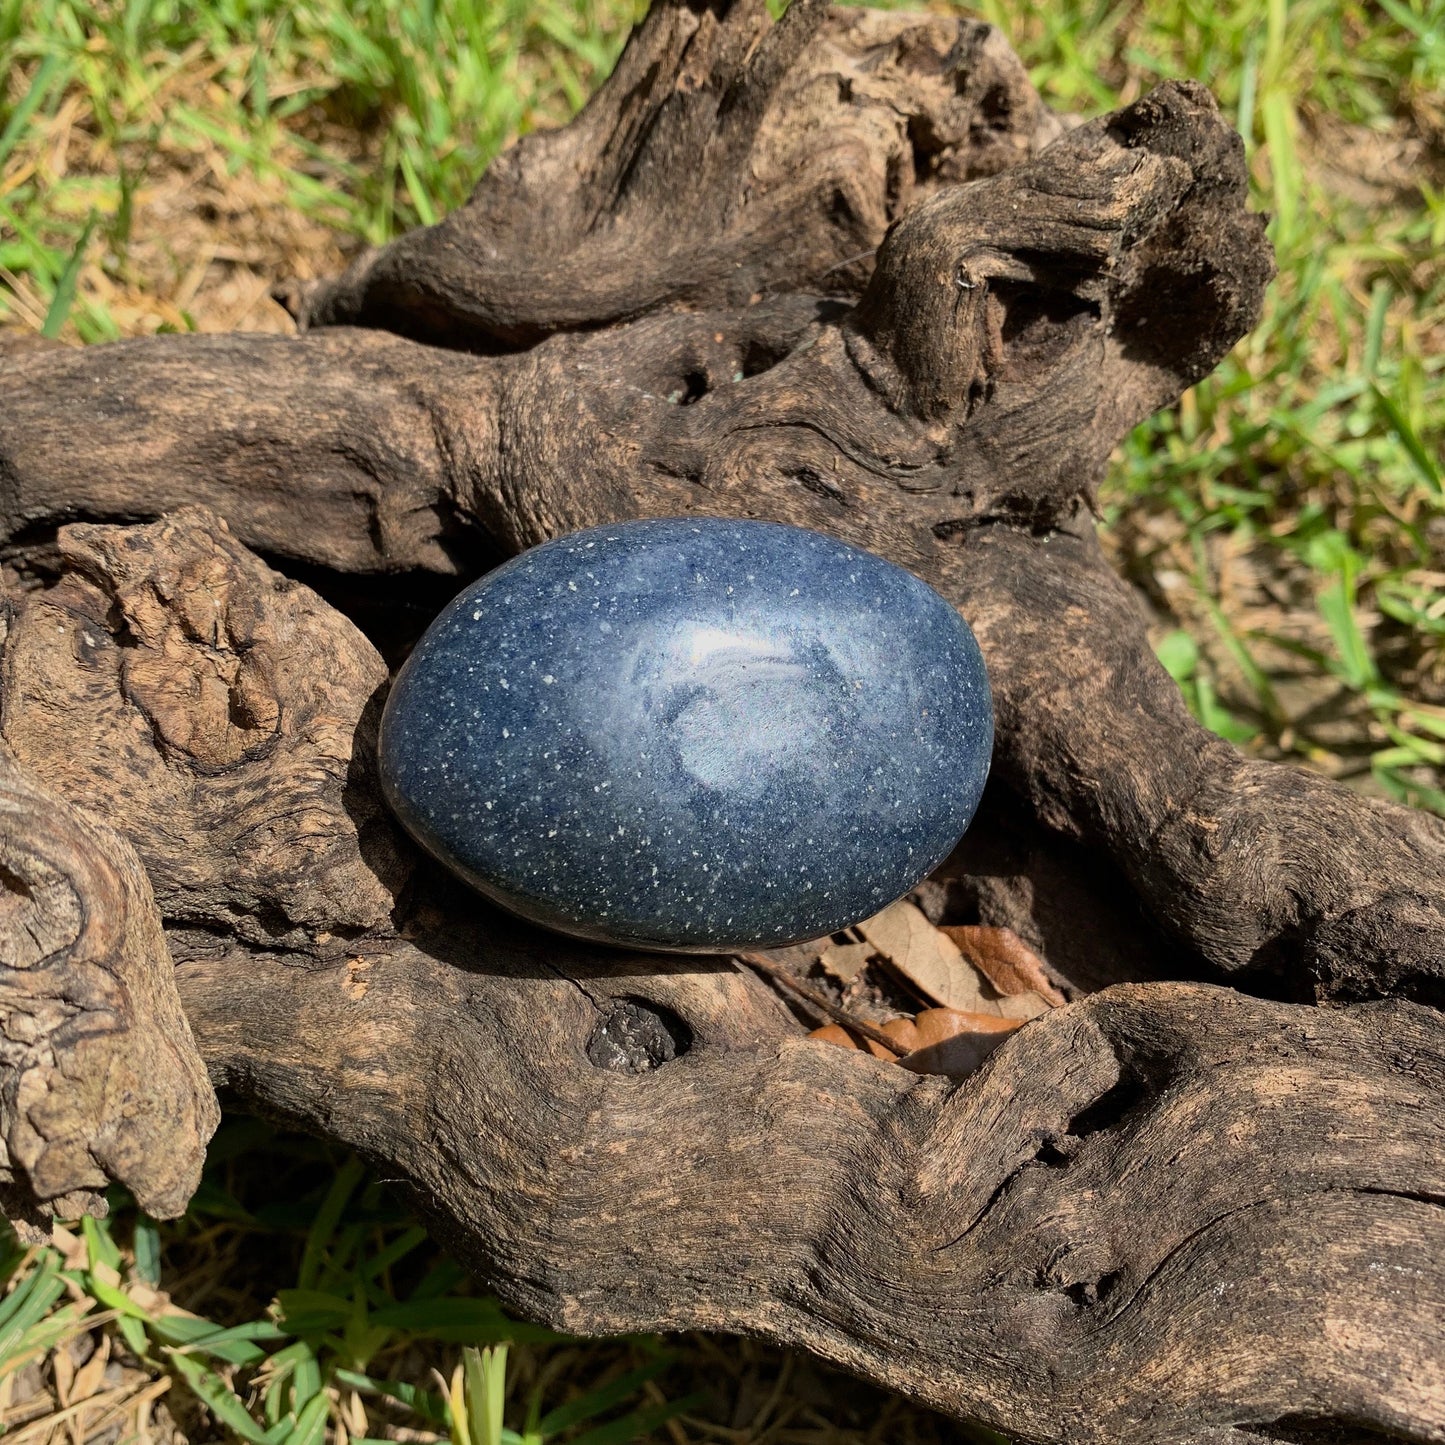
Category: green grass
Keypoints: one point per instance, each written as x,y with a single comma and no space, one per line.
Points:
298,1302
1287,520
360,1302
276,91
1313,452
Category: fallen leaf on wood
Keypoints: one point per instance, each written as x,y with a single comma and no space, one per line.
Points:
1006,961
927,958
900,1029
948,1041
939,1041
845,960
934,1025
960,1055
1024,1006
836,1035
903,1032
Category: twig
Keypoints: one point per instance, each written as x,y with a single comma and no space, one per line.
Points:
838,1015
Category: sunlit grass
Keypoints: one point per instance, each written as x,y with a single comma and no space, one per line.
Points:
1313,453
1310,461
298,1302
365,118
161,162
342,1352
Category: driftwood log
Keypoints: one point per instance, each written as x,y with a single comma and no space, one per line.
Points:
845,271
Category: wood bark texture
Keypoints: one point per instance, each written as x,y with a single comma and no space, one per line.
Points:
100,1078
844,271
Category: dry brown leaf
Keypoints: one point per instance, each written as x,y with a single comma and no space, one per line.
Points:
903,1032
845,960
836,1035
955,1057
1006,961
955,1043
1024,1006
940,1040
74,1254
91,1375
900,1029
927,957
934,1025
62,1370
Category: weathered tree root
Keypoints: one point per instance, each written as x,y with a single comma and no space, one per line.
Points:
1166,1212
221,708
724,159
100,1080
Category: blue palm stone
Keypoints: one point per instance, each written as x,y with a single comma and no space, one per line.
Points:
692,735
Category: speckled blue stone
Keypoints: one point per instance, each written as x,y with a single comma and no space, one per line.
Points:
691,735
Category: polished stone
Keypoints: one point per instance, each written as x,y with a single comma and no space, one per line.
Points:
696,735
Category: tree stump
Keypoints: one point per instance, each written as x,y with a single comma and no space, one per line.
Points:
846,271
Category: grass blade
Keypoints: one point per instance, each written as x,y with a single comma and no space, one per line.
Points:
596,1402
420,199
1409,438
221,1400
430,1406
146,1243
64,297
1278,116
27,1304
51,68
310,1426
328,1216
639,1423
234,1345
486,1392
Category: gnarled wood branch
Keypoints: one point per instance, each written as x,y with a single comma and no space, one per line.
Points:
1166,1212
725,158
221,747
1075,1244
100,1080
